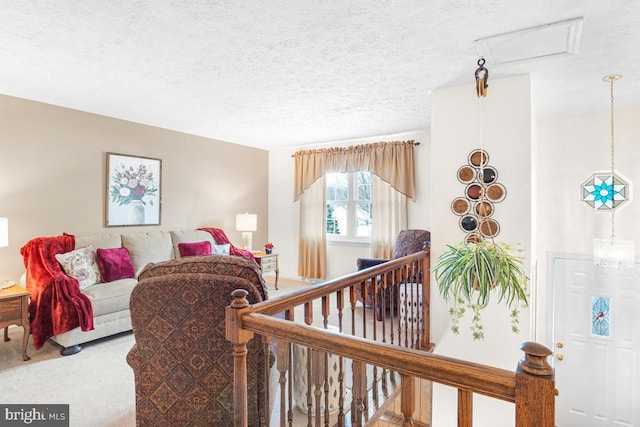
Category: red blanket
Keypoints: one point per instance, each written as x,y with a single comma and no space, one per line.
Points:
222,239
56,303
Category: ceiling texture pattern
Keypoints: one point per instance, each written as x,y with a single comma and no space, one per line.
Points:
288,73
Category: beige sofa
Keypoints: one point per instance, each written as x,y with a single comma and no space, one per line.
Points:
110,301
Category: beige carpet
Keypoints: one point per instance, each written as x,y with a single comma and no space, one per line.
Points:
97,383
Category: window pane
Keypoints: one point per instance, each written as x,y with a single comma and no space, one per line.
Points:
363,219
364,186
337,186
337,219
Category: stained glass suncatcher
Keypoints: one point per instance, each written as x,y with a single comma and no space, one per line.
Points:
604,191
601,316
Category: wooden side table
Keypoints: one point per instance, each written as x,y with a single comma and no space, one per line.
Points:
268,263
14,303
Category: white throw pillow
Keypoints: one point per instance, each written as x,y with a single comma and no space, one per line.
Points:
81,264
221,249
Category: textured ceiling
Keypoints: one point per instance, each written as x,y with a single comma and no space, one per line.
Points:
287,73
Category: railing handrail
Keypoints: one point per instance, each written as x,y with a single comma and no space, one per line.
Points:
483,379
284,302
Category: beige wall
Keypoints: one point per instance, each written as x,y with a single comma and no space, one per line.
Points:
53,178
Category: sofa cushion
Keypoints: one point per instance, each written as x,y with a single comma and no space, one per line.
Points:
115,264
189,236
194,249
99,241
149,247
81,265
110,297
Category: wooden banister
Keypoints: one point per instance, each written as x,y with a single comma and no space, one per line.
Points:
531,387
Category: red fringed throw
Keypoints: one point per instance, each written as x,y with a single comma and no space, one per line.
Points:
56,303
222,239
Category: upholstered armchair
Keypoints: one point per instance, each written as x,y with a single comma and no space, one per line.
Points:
408,242
182,363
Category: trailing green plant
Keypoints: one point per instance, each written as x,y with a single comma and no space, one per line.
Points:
467,274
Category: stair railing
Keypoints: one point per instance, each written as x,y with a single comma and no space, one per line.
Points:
401,350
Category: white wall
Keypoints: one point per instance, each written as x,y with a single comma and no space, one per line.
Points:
570,149
284,213
457,124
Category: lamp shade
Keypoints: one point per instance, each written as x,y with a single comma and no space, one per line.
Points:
246,222
4,232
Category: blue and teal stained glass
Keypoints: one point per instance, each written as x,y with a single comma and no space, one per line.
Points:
601,316
604,191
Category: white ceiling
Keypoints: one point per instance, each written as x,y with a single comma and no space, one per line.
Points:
286,73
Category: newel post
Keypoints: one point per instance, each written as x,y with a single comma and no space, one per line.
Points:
239,338
535,388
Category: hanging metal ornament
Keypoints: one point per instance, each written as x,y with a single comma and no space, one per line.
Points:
482,77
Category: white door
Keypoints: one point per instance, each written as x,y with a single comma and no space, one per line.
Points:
596,338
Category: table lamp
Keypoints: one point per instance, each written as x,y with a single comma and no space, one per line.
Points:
4,232
246,223
4,242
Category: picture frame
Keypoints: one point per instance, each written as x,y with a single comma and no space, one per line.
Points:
133,192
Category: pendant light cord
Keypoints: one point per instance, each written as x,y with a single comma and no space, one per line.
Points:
612,78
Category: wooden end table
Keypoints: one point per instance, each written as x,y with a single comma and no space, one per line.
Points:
14,303
268,263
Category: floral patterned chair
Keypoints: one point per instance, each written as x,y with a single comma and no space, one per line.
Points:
182,363
408,242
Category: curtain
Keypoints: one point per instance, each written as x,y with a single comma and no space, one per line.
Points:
389,217
312,240
393,162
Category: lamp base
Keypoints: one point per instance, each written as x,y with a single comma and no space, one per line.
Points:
247,243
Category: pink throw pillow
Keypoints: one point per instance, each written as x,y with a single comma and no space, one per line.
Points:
193,249
115,264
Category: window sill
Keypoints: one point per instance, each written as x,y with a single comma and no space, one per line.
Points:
345,242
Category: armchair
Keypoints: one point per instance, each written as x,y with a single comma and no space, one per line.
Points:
408,242
182,362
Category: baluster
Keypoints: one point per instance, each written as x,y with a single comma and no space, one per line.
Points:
317,379
289,315
283,355
426,305
326,388
359,392
535,388
407,399
340,305
465,408
353,299
325,311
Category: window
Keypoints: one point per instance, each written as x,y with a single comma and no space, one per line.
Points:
348,213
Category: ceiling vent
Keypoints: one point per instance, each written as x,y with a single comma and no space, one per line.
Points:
557,38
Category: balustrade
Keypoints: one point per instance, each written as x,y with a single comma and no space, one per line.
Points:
374,361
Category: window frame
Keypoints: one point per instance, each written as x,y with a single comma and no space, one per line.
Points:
351,203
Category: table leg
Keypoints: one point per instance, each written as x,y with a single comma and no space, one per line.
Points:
25,342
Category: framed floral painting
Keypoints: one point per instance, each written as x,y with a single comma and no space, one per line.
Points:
133,190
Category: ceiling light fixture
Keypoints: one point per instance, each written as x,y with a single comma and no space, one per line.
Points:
607,191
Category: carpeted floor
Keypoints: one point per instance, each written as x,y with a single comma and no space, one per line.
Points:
97,383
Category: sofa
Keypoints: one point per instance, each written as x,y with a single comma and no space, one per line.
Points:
182,362
74,307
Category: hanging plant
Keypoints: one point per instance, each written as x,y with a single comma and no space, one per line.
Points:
468,273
